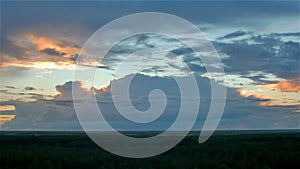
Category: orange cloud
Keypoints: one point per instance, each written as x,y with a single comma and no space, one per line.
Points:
271,96
47,53
42,43
6,118
42,53
7,108
287,86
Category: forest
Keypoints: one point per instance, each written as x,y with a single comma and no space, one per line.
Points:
221,151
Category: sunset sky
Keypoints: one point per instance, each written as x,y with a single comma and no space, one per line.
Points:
258,43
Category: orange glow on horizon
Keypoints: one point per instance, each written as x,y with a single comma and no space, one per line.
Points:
42,65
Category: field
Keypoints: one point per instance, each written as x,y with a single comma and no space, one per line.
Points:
245,150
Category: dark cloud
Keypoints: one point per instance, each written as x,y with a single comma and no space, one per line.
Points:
52,52
267,54
258,79
8,47
182,51
196,68
234,35
95,66
74,57
96,14
132,44
10,87
135,44
296,34
29,88
188,56
142,39
31,95
154,69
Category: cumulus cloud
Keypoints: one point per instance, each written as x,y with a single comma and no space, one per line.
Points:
42,114
65,91
58,113
240,112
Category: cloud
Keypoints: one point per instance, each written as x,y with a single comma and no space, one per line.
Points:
29,88
279,94
260,44
287,86
263,53
234,35
58,113
153,70
42,52
7,108
65,91
6,118
10,87
182,51
46,43
297,34
8,47
43,114
26,94
53,52
60,48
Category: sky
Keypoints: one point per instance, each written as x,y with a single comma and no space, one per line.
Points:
257,41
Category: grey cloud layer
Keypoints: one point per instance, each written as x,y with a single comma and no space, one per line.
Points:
239,112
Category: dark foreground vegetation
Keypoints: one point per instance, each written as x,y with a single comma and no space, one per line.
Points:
222,151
